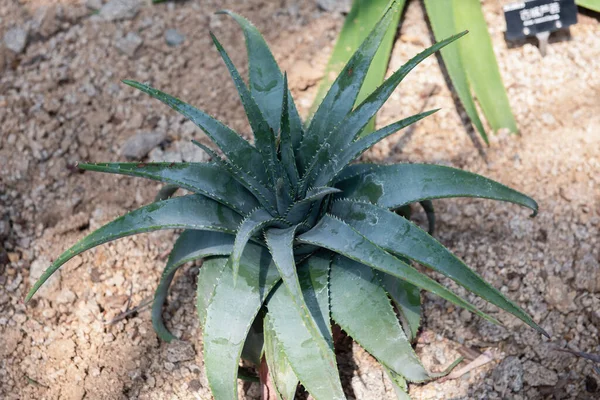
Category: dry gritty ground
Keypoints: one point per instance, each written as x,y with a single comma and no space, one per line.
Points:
61,101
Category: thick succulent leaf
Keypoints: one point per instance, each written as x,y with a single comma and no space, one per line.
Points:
399,383
245,178
299,210
288,159
353,124
252,224
399,236
362,308
190,246
264,135
166,192
340,98
407,298
208,277
317,371
441,17
355,149
237,149
281,372
230,314
207,179
392,186
189,212
430,213
280,242
361,19
337,236
266,81
479,60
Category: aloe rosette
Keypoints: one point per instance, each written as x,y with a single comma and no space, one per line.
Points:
295,238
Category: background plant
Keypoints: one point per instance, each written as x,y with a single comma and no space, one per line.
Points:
470,62
591,4
294,238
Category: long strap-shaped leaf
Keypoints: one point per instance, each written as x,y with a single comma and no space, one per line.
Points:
191,245
207,179
230,314
237,149
280,242
400,236
253,223
266,81
340,98
479,60
441,16
298,210
337,236
189,212
392,186
407,298
245,178
318,373
399,384
288,159
281,372
358,304
355,149
264,135
352,125
208,277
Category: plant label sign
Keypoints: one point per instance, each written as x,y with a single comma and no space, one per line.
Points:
533,17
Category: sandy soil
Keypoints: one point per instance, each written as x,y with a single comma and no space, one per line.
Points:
61,101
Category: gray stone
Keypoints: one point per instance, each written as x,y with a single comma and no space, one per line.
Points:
179,151
538,375
36,269
116,10
140,144
93,4
508,375
129,43
173,37
341,6
558,295
179,350
15,39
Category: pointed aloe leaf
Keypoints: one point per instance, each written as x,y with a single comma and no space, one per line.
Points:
207,179
392,186
190,246
189,212
317,371
230,314
339,237
355,149
407,298
430,213
251,182
208,277
298,210
266,81
399,384
399,236
340,98
479,61
361,307
281,372
264,135
288,158
252,224
280,242
237,149
352,125
440,13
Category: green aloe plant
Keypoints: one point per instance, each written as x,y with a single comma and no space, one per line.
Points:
294,238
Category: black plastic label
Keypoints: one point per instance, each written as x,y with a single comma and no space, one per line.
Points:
529,18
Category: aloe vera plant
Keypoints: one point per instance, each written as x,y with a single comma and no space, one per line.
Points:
295,238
